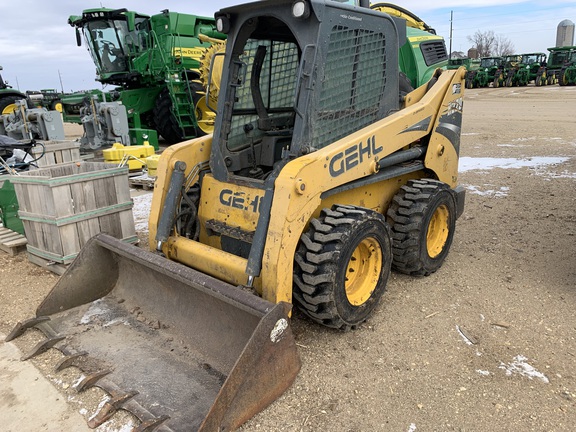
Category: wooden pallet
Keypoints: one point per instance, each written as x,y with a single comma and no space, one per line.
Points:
11,241
143,181
54,267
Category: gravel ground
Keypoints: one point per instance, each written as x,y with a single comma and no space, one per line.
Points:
486,343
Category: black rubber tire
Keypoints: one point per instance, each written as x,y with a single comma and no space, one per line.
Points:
165,120
5,101
562,80
410,215
538,81
324,259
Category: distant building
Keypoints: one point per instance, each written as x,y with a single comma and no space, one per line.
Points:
473,53
565,33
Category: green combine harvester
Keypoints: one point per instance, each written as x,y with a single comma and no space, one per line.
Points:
154,63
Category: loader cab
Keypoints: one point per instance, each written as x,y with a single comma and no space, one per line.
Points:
299,79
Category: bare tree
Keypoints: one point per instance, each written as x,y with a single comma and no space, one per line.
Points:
489,44
484,42
503,46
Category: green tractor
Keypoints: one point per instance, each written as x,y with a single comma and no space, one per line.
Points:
491,71
557,59
8,97
469,63
531,67
46,98
567,75
155,63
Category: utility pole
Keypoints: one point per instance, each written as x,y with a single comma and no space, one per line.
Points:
451,16
60,76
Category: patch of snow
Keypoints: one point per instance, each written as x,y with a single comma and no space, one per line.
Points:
483,372
106,427
502,192
521,367
412,427
141,211
100,406
83,411
78,381
485,163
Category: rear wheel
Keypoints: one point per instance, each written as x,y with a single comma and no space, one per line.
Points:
56,105
563,79
342,266
8,104
422,217
538,81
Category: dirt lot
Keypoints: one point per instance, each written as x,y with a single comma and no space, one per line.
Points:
486,343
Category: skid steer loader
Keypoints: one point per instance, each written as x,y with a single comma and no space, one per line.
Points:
322,173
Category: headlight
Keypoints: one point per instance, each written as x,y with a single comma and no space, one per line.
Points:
300,9
223,24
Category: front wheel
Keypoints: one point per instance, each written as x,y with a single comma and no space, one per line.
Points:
342,266
422,217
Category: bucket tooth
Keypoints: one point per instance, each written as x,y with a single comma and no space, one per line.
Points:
91,380
151,425
21,327
70,360
43,346
110,408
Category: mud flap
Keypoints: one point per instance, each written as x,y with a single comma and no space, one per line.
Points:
179,349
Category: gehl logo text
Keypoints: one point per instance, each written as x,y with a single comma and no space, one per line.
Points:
353,156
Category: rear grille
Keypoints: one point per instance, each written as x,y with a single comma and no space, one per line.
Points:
434,52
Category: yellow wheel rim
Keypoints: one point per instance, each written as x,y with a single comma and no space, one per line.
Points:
363,271
58,107
438,231
205,116
9,109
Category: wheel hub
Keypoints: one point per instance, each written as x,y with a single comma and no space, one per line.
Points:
363,271
438,231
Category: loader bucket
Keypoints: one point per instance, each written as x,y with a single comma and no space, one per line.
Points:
179,349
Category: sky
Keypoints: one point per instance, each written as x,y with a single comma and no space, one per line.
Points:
38,48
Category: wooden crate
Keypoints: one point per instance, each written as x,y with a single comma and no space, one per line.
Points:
65,205
55,153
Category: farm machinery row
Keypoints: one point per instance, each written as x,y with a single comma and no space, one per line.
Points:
521,69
